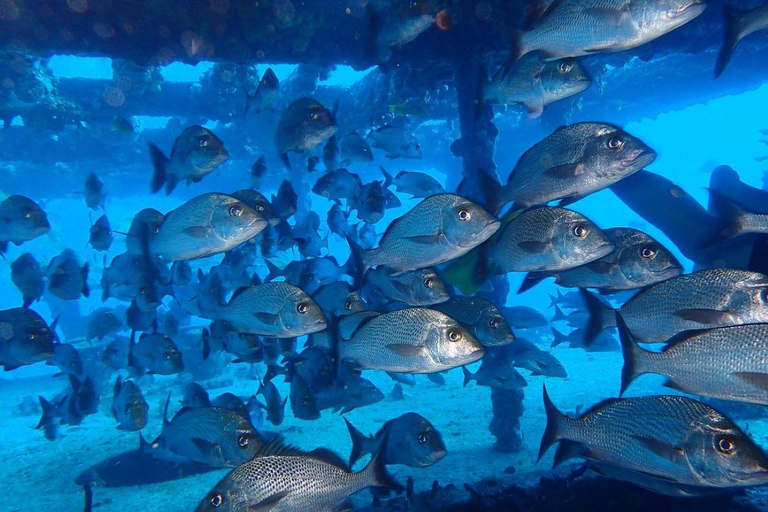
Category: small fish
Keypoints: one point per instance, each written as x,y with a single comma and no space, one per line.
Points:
265,96
27,275
94,192
573,162
636,262
495,374
337,185
128,405
49,419
21,220
523,317
115,354
286,200
195,395
101,236
534,82
574,28
411,441
371,202
258,171
304,124
259,203
481,317
671,438
539,362
338,299
274,403
421,287
417,184
396,142
402,23
67,280
331,154
67,359
273,309
215,436
280,477
195,154
309,274
205,225
354,148
155,353
338,222
738,25
414,340
102,322
303,401
145,223
438,229
348,395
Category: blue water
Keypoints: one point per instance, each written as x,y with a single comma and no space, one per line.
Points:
36,473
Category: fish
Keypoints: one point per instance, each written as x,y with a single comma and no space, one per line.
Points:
402,23
417,184
370,203
422,287
348,395
723,363
258,171
523,317
128,405
411,441
215,436
259,203
280,477
155,353
286,200
354,148
738,25
205,225
94,192
575,28
331,154
603,342
21,220
338,184
396,142
637,261
101,236
309,274
273,309
496,375
274,403
539,362
49,419
303,401
67,359
671,438
310,242
338,222
67,280
265,96
534,82
546,239
481,317
81,401
115,353
413,340
27,275
438,229
736,219
196,152
101,323
573,162
304,124
146,223
195,395
702,300
338,299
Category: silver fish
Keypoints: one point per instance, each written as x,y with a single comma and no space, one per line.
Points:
481,317
421,287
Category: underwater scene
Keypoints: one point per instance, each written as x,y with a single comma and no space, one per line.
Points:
384,255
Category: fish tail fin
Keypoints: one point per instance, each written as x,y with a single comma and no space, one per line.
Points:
731,37
471,271
165,409
286,161
388,179
160,165
357,265
86,290
633,355
377,469
3,248
554,425
28,302
273,271
205,337
49,411
559,337
730,213
171,184
532,279
467,375
559,315
597,311
358,443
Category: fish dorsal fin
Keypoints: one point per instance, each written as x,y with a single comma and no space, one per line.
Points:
276,448
325,455
599,406
238,292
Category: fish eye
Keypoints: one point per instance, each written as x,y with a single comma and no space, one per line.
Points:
127,409
428,282
464,214
494,323
454,335
348,305
564,67
314,116
580,231
235,211
726,446
615,143
417,145
422,438
216,500
166,356
203,141
302,308
647,253
242,441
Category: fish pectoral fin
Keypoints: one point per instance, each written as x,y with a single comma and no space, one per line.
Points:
756,379
613,17
197,231
344,506
266,318
206,447
534,108
401,287
268,503
533,246
568,449
600,266
705,316
565,171
664,450
404,350
425,239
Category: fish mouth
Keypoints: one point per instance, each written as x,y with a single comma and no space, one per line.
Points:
690,11
475,355
640,159
486,232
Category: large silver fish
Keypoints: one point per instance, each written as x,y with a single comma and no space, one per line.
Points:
573,162
205,225
438,229
413,340
670,438
305,123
